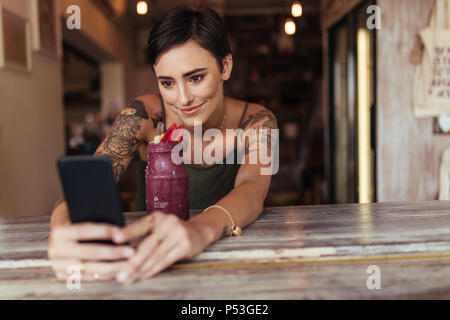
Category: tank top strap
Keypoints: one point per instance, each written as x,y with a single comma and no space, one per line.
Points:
243,115
163,110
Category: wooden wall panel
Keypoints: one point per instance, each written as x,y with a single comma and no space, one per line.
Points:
408,153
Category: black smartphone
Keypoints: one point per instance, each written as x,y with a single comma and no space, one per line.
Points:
90,190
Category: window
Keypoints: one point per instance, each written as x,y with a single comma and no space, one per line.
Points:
352,109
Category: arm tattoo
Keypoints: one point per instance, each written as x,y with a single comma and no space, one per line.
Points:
116,163
261,120
122,141
264,119
139,108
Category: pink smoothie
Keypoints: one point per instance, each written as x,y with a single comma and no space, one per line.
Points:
166,182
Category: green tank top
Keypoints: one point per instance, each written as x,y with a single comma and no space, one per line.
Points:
207,185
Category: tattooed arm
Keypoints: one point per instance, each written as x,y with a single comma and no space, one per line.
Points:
170,239
128,132
260,126
245,202
101,261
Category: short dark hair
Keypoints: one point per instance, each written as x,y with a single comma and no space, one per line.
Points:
183,23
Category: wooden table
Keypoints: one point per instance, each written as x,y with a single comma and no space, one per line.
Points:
299,252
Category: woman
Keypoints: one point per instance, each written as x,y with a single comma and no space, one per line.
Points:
191,57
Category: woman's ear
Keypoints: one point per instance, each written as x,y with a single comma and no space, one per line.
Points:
227,64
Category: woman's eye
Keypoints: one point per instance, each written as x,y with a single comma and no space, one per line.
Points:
197,78
166,84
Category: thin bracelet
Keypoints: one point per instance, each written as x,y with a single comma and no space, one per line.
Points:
235,230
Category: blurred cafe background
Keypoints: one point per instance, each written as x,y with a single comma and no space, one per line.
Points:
342,93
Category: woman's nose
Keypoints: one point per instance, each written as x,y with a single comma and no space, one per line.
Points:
184,97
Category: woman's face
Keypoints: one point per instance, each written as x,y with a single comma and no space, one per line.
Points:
191,82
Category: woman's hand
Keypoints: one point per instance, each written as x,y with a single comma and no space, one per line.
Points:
170,239
64,251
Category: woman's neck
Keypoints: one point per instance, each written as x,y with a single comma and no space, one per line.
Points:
216,120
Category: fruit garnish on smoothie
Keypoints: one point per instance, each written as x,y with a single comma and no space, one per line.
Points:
172,135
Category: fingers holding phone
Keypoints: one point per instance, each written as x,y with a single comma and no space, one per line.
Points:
95,262
93,205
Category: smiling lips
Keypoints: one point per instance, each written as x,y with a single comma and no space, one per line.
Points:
192,110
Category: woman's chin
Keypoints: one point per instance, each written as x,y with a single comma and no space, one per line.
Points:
191,120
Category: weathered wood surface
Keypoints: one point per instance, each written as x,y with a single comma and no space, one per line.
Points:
399,280
288,253
350,229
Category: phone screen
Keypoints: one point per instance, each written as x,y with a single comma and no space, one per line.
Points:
90,190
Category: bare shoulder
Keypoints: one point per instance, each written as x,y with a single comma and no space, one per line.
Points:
258,116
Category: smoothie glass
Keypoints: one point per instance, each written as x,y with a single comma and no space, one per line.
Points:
166,182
